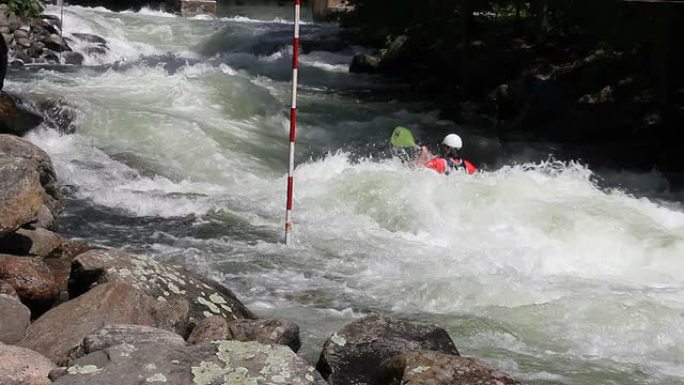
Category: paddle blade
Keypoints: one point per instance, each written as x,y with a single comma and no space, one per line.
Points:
402,137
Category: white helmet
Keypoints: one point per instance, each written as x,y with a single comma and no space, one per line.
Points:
453,141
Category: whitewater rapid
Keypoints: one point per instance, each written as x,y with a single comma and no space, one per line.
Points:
534,266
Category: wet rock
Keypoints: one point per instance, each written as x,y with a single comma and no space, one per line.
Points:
22,54
183,298
427,367
56,43
58,115
64,327
354,354
220,362
14,319
73,58
364,63
90,38
32,280
96,50
15,118
23,161
265,331
21,366
26,242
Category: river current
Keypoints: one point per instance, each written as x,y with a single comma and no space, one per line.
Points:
538,266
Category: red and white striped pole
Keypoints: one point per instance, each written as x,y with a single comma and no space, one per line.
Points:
293,124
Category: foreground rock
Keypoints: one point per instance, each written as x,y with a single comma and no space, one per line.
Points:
63,328
354,354
15,117
434,368
183,298
14,319
220,362
28,186
34,283
113,335
20,366
266,331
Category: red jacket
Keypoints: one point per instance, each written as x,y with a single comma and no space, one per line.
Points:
442,165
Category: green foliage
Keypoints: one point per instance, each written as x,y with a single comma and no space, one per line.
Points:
28,8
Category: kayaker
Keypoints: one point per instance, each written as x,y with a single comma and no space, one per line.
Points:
448,160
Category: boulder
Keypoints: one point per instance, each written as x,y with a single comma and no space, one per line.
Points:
63,328
219,362
21,366
56,43
73,58
59,263
435,368
96,50
265,331
364,63
90,38
37,242
58,115
354,354
22,161
14,319
6,288
183,297
113,335
32,280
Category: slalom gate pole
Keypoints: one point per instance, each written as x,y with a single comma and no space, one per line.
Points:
293,124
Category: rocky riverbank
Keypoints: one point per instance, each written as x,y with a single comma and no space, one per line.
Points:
73,313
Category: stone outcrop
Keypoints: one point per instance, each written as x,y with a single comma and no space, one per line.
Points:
435,368
14,319
266,331
219,362
28,186
183,297
354,354
21,366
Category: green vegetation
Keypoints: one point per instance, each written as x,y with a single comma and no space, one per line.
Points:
24,8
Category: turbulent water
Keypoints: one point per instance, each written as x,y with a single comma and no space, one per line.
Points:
180,153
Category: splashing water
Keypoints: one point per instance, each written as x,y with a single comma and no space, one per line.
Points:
533,267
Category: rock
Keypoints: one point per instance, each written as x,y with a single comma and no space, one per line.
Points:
434,368
32,280
20,159
23,42
50,56
265,331
20,34
23,55
7,289
73,58
220,362
90,38
21,366
56,43
354,354
59,263
364,63
14,319
183,297
64,327
13,22
113,335
58,115
209,329
36,49
20,194
15,118
38,242
96,50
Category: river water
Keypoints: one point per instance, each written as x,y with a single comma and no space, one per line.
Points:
536,266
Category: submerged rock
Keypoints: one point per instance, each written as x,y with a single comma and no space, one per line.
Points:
435,368
354,354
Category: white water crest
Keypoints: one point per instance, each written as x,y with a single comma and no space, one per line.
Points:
532,266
